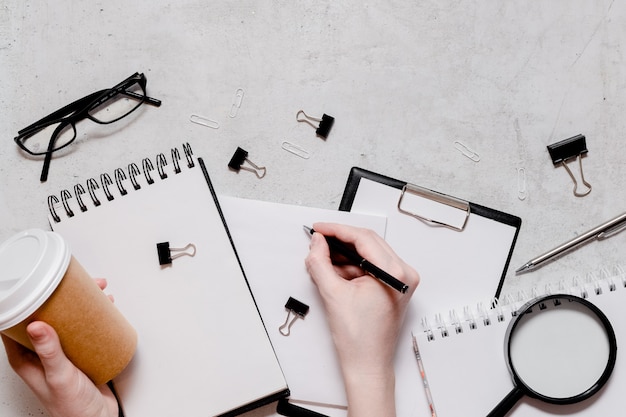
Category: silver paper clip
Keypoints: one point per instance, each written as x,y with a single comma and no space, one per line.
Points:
295,308
521,183
296,150
167,254
234,109
204,121
466,150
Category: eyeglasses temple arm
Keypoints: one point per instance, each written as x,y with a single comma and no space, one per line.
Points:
153,101
46,167
46,160
50,150
148,100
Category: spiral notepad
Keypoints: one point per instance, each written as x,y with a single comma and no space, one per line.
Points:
464,368
195,316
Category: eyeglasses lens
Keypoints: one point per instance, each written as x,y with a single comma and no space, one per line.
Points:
37,144
118,104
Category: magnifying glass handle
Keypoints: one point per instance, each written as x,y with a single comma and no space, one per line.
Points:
504,406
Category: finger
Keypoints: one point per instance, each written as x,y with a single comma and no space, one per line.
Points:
372,247
367,243
22,360
12,348
332,229
102,283
349,272
342,266
358,237
48,347
319,265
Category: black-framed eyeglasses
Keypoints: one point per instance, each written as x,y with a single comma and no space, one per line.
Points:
58,129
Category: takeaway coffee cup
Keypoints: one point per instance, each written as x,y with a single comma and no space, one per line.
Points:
41,280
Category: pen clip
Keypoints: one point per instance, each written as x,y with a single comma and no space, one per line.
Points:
612,231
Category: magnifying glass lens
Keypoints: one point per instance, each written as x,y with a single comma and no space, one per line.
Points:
560,351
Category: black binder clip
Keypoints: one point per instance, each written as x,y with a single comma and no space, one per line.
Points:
566,150
167,254
323,125
296,308
239,157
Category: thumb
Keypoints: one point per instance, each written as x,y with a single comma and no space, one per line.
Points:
48,347
318,263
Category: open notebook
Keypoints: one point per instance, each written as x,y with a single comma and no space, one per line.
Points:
459,263
203,349
467,372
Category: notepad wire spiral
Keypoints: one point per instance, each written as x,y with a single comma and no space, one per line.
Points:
488,314
103,189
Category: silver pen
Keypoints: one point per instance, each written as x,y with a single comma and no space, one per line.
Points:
605,230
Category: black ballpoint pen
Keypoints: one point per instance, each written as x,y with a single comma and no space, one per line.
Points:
340,247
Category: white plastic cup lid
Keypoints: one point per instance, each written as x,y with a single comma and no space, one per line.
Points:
32,263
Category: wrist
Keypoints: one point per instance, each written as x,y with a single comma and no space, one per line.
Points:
370,392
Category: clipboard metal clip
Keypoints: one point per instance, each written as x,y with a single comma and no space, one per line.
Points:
433,208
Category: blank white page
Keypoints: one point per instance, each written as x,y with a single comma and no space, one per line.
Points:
272,245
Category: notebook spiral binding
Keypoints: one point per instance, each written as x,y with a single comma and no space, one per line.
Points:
117,186
482,314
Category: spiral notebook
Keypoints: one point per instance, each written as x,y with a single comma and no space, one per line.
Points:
203,349
465,368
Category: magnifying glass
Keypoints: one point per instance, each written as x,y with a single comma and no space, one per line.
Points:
560,349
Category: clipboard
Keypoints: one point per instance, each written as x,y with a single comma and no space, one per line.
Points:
434,209
460,249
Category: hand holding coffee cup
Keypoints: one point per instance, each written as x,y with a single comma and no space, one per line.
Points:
42,281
